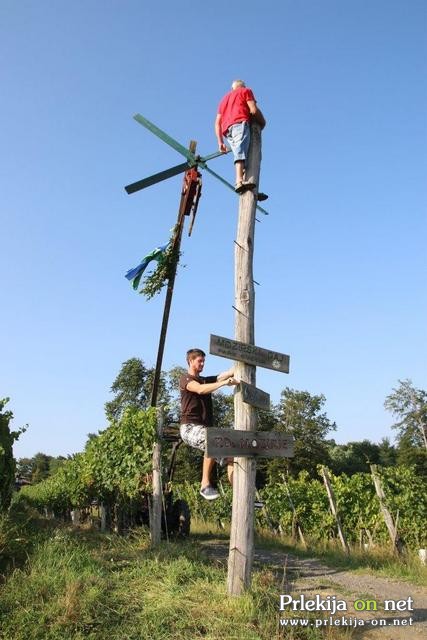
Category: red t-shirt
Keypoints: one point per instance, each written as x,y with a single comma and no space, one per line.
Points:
234,107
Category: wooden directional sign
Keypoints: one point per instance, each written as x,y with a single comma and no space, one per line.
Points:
223,443
248,353
255,397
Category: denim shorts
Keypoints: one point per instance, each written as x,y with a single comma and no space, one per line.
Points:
238,137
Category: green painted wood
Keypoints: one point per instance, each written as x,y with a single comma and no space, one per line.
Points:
227,184
192,159
212,156
157,177
166,138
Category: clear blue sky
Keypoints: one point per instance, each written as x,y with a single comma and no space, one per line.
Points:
341,260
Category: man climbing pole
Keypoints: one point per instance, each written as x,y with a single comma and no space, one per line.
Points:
235,112
197,413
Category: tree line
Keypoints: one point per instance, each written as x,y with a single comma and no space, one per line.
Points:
297,412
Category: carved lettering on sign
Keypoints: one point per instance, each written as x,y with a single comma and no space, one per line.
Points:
249,353
234,442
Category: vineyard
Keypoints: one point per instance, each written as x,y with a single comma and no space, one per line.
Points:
7,462
358,506
115,470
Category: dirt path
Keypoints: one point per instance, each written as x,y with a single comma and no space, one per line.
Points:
308,577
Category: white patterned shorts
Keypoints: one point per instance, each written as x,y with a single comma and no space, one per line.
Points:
194,435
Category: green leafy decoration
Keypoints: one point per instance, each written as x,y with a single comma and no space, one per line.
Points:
166,266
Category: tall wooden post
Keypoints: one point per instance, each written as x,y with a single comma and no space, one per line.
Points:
242,525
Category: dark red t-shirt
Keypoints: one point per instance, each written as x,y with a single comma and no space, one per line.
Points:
234,107
194,407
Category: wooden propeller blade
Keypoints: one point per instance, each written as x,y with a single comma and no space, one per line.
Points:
166,138
157,177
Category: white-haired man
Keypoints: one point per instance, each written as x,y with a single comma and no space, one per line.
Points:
232,123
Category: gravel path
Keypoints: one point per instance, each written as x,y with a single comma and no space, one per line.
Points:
309,576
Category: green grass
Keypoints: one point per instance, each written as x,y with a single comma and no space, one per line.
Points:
75,584
80,584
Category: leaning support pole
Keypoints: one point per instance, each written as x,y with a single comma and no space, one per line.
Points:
155,512
176,245
396,541
240,558
156,509
333,505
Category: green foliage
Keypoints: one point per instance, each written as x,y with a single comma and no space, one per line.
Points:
218,511
357,503
408,455
132,388
410,406
39,467
300,414
166,266
7,462
114,466
353,457
310,501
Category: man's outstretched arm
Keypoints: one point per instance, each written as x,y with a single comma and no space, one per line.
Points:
209,387
226,374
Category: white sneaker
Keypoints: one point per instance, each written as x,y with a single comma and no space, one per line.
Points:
209,493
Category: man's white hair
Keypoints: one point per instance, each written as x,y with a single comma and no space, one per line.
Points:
237,83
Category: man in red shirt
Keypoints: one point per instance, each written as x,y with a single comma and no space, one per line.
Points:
232,122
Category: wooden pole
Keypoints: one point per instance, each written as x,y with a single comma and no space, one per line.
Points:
294,511
156,510
176,245
388,518
333,505
240,558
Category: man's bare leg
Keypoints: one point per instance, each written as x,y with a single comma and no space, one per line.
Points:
230,470
208,465
240,170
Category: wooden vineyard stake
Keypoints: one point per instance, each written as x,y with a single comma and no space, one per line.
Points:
388,518
333,505
295,515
